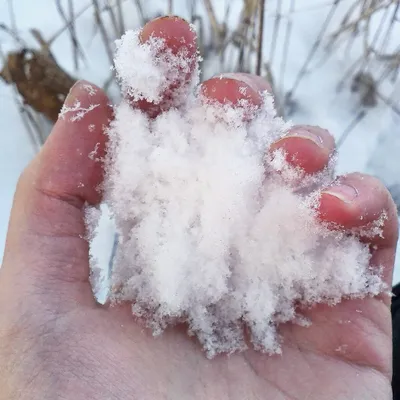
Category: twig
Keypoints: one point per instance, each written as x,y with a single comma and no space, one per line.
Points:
380,27
354,32
140,11
390,27
13,34
211,15
350,44
73,32
214,23
108,82
112,256
369,48
27,121
260,35
395,56
352,9
114,22
71,27
359,117
349,73
310,8
35,124
314,48
13,19
68,24
120,18
226,40
44,46
170,7
288,35
275,32
241,35
251,39
391,65
103,31
361,26
192,12
353,24
389,102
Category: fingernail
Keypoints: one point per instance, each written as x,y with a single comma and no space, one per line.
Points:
306,134
169,17
240,78
174,34
79,101
344,192
72,94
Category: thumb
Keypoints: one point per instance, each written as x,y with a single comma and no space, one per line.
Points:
46,244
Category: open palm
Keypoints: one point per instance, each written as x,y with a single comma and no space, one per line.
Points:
57,343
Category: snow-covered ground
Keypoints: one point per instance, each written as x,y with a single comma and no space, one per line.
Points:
373,145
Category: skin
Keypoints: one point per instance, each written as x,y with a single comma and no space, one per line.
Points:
57,343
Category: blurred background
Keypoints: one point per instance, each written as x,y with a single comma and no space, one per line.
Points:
333,63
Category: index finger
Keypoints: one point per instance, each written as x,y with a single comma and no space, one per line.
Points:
180,38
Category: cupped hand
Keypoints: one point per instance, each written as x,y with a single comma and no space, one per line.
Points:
56,342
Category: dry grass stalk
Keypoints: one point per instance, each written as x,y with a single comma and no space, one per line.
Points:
275,32
70,23
13,18
121,20
139,7
314,48
218,29
243,35
261,14
13,33
389,102
103,31
357,22
35,135
346,133
365,15
288,35
116,17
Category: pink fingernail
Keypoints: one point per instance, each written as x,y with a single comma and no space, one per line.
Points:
307,134
72,95
344,192
240,78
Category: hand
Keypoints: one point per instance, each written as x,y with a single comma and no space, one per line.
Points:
57,343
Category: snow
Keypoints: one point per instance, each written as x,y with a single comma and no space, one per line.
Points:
372,147
213,230
146,82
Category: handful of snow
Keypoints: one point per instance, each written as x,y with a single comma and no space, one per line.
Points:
214,231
